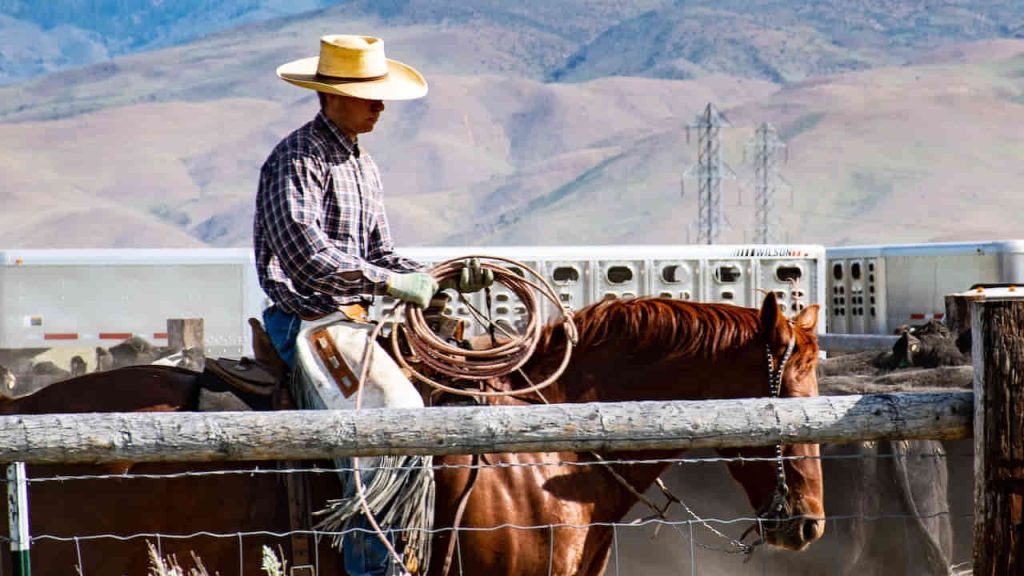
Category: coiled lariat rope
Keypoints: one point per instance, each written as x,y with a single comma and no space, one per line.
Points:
505,356
500,360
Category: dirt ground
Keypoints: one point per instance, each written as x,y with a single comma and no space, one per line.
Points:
711,493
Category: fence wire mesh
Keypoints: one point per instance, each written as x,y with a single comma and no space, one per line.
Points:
870,527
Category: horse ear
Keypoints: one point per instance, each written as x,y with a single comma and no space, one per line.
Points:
807,319
772,320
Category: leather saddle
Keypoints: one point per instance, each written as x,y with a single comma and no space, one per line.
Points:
257,382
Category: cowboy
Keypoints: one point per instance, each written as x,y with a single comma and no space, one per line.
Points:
321,237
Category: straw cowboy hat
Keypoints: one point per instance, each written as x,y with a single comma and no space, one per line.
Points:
355,66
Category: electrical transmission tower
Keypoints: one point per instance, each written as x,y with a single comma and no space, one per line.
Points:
709,172
767,148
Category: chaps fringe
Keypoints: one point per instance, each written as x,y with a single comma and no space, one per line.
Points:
399,492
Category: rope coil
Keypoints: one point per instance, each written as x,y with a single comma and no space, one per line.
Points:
507,355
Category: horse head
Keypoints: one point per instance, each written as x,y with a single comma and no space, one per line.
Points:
784,483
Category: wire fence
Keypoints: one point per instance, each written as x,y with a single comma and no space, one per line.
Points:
870,528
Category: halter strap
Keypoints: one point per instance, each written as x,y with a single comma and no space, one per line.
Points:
778,502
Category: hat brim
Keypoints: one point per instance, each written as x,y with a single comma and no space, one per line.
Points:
403,82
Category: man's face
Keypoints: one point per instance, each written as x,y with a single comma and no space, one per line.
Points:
354,116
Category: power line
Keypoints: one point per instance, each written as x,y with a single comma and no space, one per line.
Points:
766,145
709,172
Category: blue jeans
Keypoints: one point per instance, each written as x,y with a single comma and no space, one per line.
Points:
283,328
365,554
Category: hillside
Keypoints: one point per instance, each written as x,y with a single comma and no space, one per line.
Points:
777,40
163,148
785,40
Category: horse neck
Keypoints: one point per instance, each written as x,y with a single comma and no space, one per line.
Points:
615,376
658,371
607,374
655,349
627,480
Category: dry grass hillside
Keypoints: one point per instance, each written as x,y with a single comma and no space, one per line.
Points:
163,148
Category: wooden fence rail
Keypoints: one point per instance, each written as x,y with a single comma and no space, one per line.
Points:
149,437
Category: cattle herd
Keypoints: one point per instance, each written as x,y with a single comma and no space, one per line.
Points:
22,378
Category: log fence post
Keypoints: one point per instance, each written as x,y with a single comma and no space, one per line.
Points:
997,327
186,335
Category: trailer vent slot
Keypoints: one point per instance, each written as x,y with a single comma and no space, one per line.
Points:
728,274
789,273
672,274
837,271
619,274
855,271
566,275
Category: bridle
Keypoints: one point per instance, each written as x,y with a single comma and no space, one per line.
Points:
778,502
776,507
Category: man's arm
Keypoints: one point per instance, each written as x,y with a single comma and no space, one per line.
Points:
291,197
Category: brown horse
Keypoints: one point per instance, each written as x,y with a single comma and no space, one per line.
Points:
647,349
650,349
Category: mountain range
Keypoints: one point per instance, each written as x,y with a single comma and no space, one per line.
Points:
546,123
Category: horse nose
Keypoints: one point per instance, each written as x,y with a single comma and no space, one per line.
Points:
811,529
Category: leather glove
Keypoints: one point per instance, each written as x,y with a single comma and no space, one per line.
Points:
472,278
416,288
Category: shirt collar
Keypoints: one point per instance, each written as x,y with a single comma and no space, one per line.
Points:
350,145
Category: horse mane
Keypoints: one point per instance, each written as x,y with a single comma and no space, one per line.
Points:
656,326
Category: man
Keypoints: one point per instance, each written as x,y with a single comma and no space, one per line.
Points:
321,235
320,231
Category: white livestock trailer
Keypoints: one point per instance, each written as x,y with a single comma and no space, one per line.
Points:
82,299
876,289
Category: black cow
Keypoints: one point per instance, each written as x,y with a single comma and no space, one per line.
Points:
928,345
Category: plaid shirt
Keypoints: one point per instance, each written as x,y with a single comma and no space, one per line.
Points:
320,232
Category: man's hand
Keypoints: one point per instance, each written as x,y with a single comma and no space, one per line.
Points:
472,278
416,288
